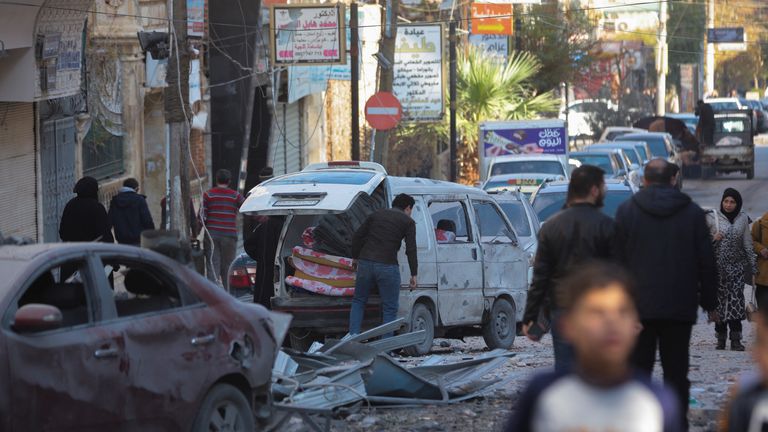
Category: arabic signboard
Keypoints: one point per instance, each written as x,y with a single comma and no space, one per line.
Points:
418,82
512,140
496,46
306,35
306,80
726,35
195,18
492,19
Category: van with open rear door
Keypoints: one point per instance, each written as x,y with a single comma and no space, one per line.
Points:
472,279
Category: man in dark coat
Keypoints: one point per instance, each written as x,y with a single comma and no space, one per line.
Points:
664,241
261,245
572,237
705,129
129,214
84,218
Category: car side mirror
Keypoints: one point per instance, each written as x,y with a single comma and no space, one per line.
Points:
35,317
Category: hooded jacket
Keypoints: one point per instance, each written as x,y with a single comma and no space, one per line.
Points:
84,218
664,241
129,215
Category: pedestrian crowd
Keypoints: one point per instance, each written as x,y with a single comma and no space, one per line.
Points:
617,293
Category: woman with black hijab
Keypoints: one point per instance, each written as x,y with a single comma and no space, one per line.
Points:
733,248
84,218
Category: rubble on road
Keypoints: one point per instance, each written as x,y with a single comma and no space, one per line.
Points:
359,370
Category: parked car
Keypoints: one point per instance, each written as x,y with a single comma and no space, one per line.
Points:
759,114
582,114
611,132
474,282
660,144
109,337
609,161
518,209
551,198
642,148
526,171
242,275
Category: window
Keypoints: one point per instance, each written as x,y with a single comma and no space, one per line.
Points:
516,214
62,286
643,153
140,288
344,178
102,153
601,161
547,204
491,222
528,167
731,125
451,216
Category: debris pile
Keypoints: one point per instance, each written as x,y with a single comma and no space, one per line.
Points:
358,370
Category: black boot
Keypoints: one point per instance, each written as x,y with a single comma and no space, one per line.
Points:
721,337
736,342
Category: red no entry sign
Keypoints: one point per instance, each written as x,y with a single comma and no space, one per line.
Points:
383,111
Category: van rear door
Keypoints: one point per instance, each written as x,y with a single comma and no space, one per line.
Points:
312,192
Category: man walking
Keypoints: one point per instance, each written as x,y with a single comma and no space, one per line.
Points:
578,234
129,214
664,241
219,216
375,246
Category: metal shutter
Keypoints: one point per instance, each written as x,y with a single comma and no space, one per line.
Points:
286,143
18,176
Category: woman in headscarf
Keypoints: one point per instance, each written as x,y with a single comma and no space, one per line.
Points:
84,218
733,248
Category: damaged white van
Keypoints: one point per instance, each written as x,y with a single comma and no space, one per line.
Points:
472,275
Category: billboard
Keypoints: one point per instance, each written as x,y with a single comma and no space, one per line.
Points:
418,68
306,34
500,140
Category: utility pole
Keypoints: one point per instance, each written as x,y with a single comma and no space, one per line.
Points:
387,73
710,72
452,72
661,61
517,12
176,115
354,56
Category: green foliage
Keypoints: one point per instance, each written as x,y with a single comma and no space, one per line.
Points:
687,25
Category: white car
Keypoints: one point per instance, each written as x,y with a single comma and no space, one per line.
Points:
525,171
581,114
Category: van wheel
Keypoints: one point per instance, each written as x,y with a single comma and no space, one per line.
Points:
501,328
751,173
301,340
225,408
421,319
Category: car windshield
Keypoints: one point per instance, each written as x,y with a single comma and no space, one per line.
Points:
615,134
547,204
527,167
327,177
515,212
657,145
641,150
722,106
602,161
730,125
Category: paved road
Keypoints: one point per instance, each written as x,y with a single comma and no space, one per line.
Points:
707,193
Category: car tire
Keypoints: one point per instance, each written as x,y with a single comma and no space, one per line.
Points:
501,328
751,173
421,319
225,408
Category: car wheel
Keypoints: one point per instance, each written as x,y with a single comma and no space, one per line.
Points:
751,173
421,319
225,408
501,328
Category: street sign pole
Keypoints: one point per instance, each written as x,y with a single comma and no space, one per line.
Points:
354,55
452,73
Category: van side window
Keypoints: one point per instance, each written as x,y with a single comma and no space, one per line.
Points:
492,224
449,218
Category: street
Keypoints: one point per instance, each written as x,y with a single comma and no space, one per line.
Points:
712,373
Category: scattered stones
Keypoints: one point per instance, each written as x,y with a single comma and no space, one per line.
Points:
369,421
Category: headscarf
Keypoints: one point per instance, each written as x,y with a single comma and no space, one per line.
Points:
87,187
732,193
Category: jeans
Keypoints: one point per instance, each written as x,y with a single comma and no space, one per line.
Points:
220,257
673,339
387,278
564,355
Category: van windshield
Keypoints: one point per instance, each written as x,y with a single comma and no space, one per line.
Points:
527,167
326,177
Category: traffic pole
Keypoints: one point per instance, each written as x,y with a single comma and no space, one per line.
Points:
452,73
354,55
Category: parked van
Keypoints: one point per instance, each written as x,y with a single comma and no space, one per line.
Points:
474,284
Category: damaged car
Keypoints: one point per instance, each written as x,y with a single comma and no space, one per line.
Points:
111,337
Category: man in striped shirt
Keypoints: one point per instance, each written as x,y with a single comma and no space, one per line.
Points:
219,215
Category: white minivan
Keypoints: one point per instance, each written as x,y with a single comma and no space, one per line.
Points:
473,283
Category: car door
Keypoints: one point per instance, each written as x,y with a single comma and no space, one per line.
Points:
504,265
70,378
174,344
425,249
459,264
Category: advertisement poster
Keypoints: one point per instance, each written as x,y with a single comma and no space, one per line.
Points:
493,45
308,35
502,142
418,83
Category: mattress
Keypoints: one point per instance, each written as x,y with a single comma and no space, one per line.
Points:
318,287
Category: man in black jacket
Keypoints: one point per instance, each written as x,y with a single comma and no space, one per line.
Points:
375,246
664,242
129,214
577,234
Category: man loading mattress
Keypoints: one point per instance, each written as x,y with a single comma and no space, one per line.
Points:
375,246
